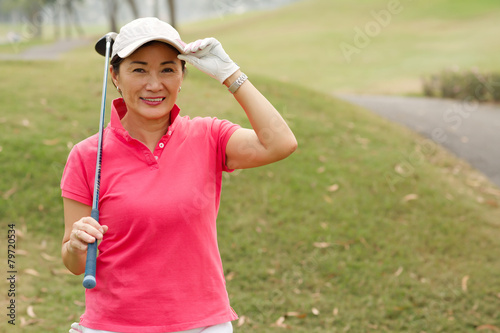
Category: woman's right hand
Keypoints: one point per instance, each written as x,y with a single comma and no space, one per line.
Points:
85,231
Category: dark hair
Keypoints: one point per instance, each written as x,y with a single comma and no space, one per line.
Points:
117,60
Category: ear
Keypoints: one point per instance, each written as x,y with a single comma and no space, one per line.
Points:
114,75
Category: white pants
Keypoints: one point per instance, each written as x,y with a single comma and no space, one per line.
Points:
220,328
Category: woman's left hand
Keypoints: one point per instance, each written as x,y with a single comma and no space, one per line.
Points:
208,56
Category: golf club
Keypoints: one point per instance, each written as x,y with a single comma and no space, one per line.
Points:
103,47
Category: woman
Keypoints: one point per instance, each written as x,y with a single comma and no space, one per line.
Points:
159,267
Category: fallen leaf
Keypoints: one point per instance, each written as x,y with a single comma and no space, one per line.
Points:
399,271
327,199
25,122
30,312
24,322
322,245
362,141
52,142
22,252
488,327
465,279
492,203
31,271
315,311
335,311
345,244
321,169
473,182
333,188
399,169
48,257
9,192
295,314
79,303
410,197
61,271
322,159
492,191
230,276
280,323
241,321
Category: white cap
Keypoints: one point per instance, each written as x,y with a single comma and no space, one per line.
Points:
138,32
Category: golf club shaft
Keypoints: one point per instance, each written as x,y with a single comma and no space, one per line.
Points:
89,281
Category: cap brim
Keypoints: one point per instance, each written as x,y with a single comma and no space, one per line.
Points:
137,44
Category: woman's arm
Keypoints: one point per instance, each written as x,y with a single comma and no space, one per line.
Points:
270,138
77,235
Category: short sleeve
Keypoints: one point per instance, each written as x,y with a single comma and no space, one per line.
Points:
75,183
224,130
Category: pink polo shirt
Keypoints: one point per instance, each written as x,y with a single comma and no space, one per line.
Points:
159,267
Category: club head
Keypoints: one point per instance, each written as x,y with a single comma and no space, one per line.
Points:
100,46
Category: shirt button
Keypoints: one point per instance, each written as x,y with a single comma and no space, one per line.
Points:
156,157
162,145
169,133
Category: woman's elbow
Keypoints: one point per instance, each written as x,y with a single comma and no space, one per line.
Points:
288,147
293,145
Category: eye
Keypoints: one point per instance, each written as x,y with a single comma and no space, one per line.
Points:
139,70
167,70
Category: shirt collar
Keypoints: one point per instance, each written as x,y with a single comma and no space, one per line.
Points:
119,109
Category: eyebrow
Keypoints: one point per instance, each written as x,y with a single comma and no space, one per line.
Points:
145,63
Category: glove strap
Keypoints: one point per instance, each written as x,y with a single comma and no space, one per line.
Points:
237,84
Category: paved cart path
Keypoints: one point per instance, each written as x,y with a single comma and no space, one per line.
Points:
51,51
469,130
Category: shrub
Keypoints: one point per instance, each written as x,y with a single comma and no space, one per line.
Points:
466,85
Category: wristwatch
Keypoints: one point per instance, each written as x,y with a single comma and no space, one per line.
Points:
236,84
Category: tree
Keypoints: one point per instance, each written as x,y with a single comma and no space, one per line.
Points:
133,7
171,10
32,12
113,11
71,17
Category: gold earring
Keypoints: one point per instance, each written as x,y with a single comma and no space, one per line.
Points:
180,89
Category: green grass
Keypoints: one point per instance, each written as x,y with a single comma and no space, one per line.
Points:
360,258
274,219
301,43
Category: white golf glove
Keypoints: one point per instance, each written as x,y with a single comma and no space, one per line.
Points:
75,328
208,56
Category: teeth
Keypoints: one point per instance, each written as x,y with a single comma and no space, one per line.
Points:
153,99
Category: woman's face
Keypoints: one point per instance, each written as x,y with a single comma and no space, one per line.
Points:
150,79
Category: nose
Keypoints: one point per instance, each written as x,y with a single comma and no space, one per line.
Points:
154,83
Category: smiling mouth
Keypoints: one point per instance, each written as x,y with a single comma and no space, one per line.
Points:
153,100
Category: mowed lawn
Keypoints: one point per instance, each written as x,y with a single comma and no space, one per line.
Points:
366,228
369,46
